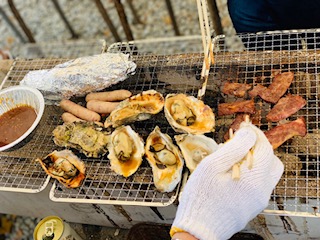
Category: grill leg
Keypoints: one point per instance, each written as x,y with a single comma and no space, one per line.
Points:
21,21
123,19
13,27
74,35
173,19
216,20
107,19
136,19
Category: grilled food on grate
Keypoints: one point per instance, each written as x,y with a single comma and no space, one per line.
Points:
136,108
187,114
80,76
64,166
165,160
126,149
88,138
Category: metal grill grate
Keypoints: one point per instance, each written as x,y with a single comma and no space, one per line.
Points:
255,61
164,73
265,54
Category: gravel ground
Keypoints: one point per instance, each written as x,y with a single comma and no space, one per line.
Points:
51,34
54,40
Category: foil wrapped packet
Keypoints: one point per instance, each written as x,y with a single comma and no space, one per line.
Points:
80,76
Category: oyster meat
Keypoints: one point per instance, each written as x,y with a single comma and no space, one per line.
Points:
136,108
87,137
187,114
194,148
64,166
126,149
165,160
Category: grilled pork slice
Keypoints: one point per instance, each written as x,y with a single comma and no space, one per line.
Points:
281,133
276,89
236,107
236,89
286,107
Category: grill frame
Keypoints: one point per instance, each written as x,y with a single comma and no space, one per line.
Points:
102,185
289,50
297,51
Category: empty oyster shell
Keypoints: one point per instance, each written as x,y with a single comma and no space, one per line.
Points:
87,137
187,114
126,150
136,108
64,166
165,160
194,148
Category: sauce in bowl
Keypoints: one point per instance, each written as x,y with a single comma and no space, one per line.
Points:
15,122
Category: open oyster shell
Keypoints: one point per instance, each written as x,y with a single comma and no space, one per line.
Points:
126,149
194,148
64,166
187,114
136,108
165,159
87,137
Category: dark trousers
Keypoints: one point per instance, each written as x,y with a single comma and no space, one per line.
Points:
266,15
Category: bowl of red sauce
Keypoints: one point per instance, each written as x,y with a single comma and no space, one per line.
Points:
21,109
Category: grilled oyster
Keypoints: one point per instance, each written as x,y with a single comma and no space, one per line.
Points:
136,108
88,138
165,160
126,150
187,114
64,166
194,148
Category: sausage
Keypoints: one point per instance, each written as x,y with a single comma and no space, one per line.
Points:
101,106
79,111
111,96
68,118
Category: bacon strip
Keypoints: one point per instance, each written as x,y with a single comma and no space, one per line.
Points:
281,133
236,107
277,88
286,107
257,90
236,89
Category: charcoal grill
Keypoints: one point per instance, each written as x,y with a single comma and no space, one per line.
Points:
259,57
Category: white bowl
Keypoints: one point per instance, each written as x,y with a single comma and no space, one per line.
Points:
12,97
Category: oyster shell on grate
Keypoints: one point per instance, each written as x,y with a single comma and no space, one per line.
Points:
64,166
194,148
87,137
165,160
187,114
136,108
126,149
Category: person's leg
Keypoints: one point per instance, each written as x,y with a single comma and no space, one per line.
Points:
251,16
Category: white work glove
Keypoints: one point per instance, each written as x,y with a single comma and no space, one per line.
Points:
215,206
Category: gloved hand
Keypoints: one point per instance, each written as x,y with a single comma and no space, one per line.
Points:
213,205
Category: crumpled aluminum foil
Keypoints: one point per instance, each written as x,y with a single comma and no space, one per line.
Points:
80,76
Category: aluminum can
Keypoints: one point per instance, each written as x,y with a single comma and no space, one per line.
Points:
54,228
